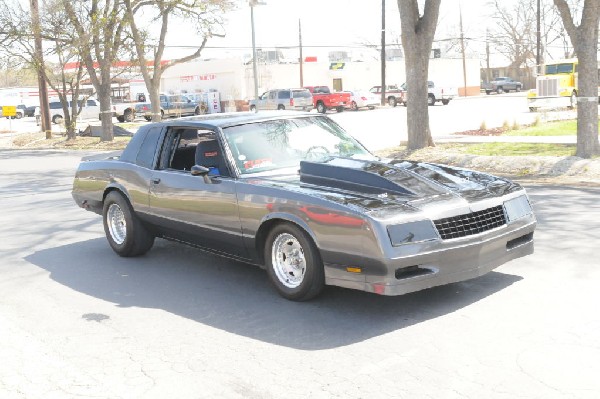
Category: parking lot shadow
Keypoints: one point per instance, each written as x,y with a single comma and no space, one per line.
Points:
238,298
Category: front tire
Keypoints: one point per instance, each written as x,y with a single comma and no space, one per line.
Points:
293,263
573,100
129,116
125,233
392,101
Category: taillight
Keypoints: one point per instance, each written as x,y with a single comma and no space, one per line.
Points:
291,102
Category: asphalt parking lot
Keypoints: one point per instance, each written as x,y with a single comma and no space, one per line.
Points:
78,321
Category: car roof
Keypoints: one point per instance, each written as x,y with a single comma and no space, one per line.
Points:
229,119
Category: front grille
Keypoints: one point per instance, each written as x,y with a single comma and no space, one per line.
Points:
470,223
547,87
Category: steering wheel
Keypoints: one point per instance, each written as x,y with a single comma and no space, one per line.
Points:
316,152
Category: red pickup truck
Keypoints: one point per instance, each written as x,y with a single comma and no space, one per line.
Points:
324,99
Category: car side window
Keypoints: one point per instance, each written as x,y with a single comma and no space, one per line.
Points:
182,147
272,95
284,95
145,156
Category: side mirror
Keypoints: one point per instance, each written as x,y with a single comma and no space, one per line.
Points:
199,170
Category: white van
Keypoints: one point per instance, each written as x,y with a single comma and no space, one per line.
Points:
90,110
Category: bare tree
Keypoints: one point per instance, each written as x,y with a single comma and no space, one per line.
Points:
203,15
514,35
584,38
417,37
100,30
19,45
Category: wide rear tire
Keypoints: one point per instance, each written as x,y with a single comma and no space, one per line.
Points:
321,108
430,100
293,263
124,231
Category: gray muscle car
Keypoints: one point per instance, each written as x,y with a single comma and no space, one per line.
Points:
295,194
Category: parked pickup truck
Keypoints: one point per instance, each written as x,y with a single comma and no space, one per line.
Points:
435,93
501,85
324,99
393,94
171,106
124,112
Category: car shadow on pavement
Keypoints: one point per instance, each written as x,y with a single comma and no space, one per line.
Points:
237,298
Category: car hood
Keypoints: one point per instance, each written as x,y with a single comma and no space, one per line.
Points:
377,185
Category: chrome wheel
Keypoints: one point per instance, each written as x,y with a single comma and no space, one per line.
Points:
117,225
289,263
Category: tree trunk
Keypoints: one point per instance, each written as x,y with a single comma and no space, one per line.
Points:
585,41
154,92
587,104
417,37
105,112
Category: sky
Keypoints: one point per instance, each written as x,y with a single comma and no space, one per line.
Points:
341,24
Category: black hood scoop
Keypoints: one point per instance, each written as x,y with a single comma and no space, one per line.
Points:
362,176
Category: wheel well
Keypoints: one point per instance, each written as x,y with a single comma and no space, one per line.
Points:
110,190
265,229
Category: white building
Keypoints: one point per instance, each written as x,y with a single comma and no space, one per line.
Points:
235,82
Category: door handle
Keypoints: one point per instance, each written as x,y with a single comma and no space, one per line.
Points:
155,180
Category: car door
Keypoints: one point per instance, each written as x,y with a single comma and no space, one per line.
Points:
187,105
91,110
262,101
164,104
195,209
272,100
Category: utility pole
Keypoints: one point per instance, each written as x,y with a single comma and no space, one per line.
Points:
538,55
39,66
382,52
488,76
462,48
301,58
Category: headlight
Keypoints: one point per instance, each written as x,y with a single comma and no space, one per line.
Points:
412,232
517,208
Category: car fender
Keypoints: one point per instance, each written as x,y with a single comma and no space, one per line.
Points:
289,217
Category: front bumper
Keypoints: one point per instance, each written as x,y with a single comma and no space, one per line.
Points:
443,266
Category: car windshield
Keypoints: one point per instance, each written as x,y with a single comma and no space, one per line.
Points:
279,144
